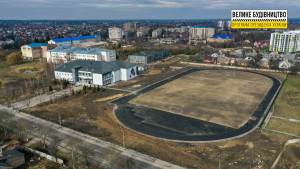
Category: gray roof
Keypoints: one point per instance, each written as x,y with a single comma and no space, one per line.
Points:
7,154
223,59
79,50
4,165
100,67
148,52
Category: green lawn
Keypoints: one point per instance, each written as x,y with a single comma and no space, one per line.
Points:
284,125
288,102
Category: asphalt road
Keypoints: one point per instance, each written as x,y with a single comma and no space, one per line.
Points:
99,147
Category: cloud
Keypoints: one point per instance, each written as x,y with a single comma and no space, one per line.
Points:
134,4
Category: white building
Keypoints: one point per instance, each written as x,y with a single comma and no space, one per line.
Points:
201,33
142,32
96,72
115,33
156,33
285,42
75,40
221,24
65,54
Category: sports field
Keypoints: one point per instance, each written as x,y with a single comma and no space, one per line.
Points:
222,97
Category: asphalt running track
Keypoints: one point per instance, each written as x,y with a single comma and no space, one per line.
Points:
165,125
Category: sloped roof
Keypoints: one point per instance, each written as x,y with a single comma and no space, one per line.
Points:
75,38
148,52
7,154
100,67
37,44
79,50
221,36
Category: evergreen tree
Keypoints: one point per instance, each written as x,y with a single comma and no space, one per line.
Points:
50,88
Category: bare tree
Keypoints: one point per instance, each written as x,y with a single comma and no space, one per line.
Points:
111,158
54,146
5,124
87,154
26,131
44,134
74,156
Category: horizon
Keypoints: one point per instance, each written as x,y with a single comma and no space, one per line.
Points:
134,9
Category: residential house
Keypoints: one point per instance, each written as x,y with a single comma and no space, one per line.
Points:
284,64
12,158
260,44
210,59
224,60
264,62
242,62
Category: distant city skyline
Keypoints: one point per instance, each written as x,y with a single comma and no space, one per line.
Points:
135,9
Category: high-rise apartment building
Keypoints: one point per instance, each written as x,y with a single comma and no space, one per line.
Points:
285,42
201,33
115,33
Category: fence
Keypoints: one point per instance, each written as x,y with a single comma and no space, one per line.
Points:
41,154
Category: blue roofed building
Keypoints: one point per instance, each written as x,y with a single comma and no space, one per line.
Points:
64,54
75,40
220,39
36,50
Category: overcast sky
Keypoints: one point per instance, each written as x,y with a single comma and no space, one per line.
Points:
137,9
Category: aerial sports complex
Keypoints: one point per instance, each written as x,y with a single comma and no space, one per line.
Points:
199,105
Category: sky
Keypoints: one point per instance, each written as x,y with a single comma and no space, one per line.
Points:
135,9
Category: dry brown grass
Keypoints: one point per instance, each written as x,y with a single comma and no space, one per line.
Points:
202,156
210,95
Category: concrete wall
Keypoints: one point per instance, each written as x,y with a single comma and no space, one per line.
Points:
97,79
64,76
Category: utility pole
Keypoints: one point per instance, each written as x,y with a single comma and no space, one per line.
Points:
123,138
219,163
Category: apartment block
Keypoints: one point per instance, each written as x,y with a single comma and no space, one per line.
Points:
286,42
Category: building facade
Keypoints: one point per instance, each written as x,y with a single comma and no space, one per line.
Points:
148,56
64,54
156,33
220,39
115,33
201,33
75,40
286,42
36,50
96,72
142,32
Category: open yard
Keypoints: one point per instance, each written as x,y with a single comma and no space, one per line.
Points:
92,114
287,105
11,73
223,97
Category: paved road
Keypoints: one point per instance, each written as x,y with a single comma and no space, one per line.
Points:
39,99
98,146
